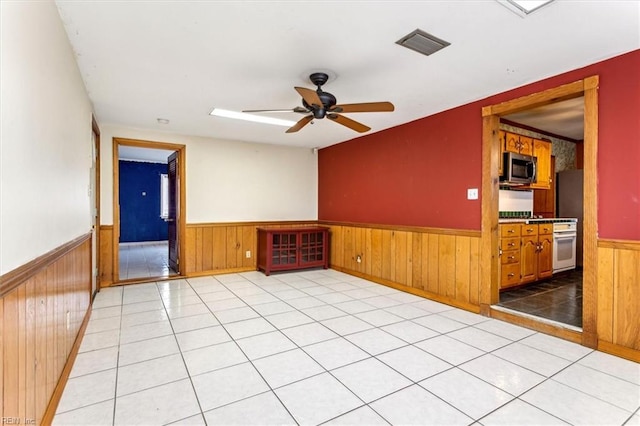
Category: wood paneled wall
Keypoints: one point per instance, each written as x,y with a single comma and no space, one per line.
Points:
440,264
42,309
619,297
105,260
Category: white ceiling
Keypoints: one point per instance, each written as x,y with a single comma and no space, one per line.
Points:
144,60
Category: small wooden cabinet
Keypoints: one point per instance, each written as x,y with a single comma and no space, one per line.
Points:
281,249
526,253
518,143
542,151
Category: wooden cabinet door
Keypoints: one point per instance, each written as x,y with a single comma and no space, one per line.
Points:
542,151
512,142
528,259
502,136
545,256
526,145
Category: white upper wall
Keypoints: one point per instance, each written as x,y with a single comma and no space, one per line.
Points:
228,181
45,142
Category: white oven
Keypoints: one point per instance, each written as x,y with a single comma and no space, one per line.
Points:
564,245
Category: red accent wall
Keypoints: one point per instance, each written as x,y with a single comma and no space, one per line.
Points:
418,173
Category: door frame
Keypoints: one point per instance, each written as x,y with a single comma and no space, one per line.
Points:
489,289
182,202
96,267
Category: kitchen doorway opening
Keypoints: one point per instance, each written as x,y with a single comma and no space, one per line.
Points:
149,203
490,292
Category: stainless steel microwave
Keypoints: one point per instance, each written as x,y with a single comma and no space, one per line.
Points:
518,169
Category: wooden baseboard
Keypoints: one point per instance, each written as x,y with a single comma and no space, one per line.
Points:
418,292
621,351
537,325
50,412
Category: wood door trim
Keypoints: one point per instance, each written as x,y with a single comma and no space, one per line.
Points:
182,220
96,130
588,88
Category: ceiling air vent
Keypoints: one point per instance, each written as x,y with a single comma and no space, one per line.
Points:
422,42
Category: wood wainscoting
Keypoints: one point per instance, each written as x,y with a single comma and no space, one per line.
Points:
619,298
439,264
44,306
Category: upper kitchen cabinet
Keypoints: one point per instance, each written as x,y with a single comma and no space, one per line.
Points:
542,151
517,143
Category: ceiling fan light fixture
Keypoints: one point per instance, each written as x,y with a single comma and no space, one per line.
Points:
217,112
422,42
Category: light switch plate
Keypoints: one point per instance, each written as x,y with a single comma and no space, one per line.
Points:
472,194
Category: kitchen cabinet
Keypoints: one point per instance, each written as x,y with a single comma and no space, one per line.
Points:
526,253
542,151
282,249
544,200
518,143
502,136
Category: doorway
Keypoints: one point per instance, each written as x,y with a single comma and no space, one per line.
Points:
489,295
149,210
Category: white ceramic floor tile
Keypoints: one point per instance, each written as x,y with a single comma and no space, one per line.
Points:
304,302
222,305
363,416
100,414
187,310
174,300
247,328
504,329
464,317
341,286
195,322
346,325
450,350
287,367
467,393
196,420
480,339
382,301
433,307
217,296
416,406
414,363
603,386
273,308
335,353
618,367
100,325
144,375
573,406
354,307
236,314
259,299
379,317
265,344
111,311
323,312
532,359
439,323
519,412
509,377
145,332
370,379
317,399
101,340
403,297
158,405
264,409
291,294
407,311
213,357
633,421
409,331
334,297
375,341
200,338
288,319
316,290
147,349
87,390
95,361
309,334
221,387
360,294
139,318
558,347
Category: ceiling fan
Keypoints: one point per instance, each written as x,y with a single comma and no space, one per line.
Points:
318,104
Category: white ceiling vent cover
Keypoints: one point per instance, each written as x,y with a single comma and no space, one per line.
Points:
422,42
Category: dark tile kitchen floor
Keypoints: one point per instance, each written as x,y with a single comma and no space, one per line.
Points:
558,299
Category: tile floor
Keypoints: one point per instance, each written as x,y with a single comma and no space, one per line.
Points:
147,259
558,299
322,347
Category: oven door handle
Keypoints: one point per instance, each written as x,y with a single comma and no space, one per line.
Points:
564,237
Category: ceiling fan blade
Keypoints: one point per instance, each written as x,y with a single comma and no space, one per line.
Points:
296,109
364,107
310,96
352,124
300,124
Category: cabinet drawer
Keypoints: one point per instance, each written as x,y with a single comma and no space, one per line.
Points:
528,230
510,256
545,229
510,230
510,243
510,275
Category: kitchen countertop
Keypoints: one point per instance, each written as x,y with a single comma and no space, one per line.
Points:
543,220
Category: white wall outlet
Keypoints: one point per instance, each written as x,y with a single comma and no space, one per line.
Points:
248,254
472,194
359,259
